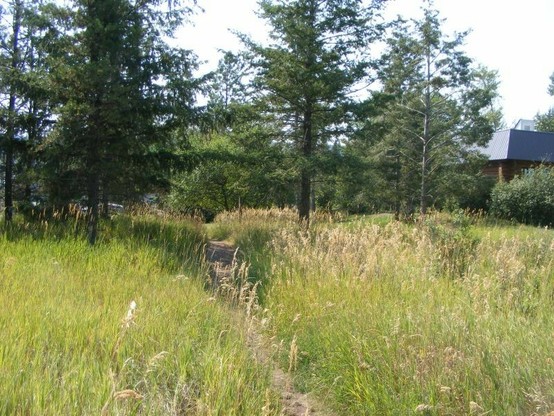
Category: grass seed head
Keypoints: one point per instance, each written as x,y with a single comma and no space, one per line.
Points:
127,394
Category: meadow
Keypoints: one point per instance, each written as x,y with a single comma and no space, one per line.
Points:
451,315
125,327
448,316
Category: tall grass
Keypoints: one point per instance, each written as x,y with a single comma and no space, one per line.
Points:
441,317
124,327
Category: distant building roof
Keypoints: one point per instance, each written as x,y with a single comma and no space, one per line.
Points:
528,145
524,124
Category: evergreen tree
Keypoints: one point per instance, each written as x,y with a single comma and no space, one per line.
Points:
440,108
24,89
11,68
545,122
122,92
236,162
317,58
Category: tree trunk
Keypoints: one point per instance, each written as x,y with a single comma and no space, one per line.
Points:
225,197
423,188
305,173
10,128
426,138
93,174
304,201
307,147
27,157
397,196
8,182
312,198
94,132
105,213
8,168
93,211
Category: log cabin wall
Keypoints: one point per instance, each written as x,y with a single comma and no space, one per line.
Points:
506,170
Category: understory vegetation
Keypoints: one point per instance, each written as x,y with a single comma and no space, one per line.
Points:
340,113
528,198
448,315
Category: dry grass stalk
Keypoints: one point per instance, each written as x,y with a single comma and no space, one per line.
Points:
293,355
127,394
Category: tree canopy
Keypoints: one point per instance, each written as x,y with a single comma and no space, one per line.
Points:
545,121
339,109
318,56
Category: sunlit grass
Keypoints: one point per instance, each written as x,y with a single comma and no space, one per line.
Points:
72,344
443,316
447,315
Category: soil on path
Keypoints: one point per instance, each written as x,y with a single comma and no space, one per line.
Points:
221,256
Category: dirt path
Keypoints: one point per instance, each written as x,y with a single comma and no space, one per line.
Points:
221,256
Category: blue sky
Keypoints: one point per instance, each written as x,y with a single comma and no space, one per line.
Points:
512,37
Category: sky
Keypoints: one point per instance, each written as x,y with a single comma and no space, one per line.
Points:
512,37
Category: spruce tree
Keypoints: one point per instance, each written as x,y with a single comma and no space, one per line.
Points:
317,59
440,107
121,91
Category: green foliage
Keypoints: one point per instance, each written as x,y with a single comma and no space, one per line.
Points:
465,187
319,52
454,244
251,231
545,122
231,174
228,92
439,106
26,106
528,198
121,92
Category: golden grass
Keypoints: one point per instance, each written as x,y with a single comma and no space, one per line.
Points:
439,317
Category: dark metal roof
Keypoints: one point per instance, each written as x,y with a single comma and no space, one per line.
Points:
513,144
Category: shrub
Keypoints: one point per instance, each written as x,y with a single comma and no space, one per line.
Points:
528,198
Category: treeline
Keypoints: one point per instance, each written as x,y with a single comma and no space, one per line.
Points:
340,109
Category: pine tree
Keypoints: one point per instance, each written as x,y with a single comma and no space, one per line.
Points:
24,88
319,55
545,121
11,68
441,106
122,91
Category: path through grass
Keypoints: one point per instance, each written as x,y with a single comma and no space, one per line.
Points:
442,318
125,327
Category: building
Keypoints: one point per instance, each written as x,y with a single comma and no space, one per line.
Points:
528,125
512,151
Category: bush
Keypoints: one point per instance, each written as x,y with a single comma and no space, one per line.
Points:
528,198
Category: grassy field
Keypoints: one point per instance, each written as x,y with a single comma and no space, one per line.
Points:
448,316
444,317
126,327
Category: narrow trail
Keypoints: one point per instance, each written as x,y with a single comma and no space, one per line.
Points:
221,257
